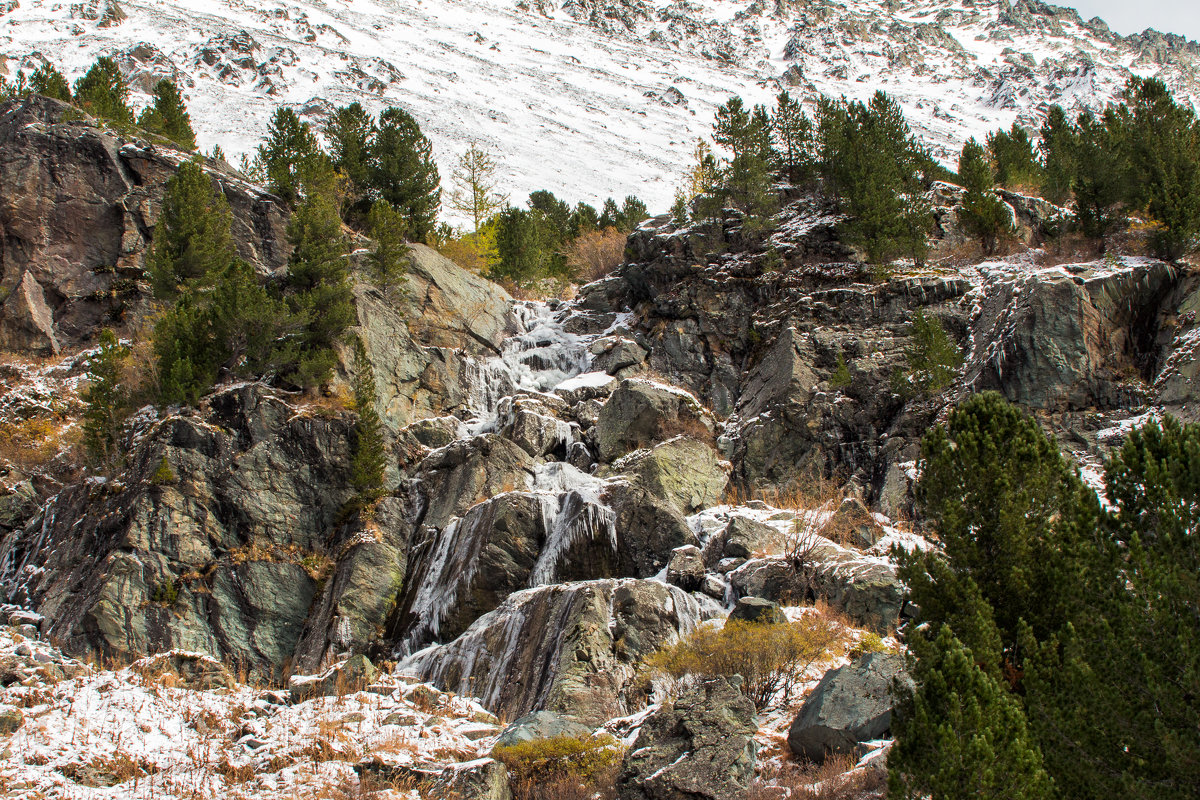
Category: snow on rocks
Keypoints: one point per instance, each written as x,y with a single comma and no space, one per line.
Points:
136,732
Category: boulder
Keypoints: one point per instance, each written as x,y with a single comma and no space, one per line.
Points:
616,353
191,670
851,704
746,538
686,568
10,720
701,747
756,609
352,675
540,725
482,779
684,472
640,413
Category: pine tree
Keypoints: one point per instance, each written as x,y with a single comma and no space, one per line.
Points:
102,92
183,347
933,358
1058,151
746,178
389,260
287,154
1009,512
584,220
168,116
192,240
961,734
1130,655
318,285
793,136
610,214
49,82
403,173
350,131
1162,142
982,213
1012,154
633,212
106,399
520,250
369,458
474,192
246,323
1101,176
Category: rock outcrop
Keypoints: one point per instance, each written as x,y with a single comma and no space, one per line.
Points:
699,747
851,704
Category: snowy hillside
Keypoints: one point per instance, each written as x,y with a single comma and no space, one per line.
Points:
593,97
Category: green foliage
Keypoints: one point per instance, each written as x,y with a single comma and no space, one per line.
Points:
1162,146
288,156
1005,506
745,180
368,458
1014,159
982,212
49,82
771,658
192,240
872,162
318,285
1130,654
350,131
1100,176
793,136
961,734
165,594
933,358
163,474
402,171
106,399
168,116
1058,149
102,92
522,256
551,758
841,377
390,258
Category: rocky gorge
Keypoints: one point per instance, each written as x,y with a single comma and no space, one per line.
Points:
571,484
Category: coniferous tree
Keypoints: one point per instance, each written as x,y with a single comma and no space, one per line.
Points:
1013,157
474,192
1162,141
350,131
192,240
746,177
403,173
106,399
610,214
1101,179
389,260
1006,507
793,135
633,212
1058,152
1130,654
318,285
368,459
961,734
168,116
521,252
933,358
584,220
288,153
102,92
49,82
982,213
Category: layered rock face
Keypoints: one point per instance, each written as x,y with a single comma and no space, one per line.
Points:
78,206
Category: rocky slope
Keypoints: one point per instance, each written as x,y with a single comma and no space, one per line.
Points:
635,82
571,485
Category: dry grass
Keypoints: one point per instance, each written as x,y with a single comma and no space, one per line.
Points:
831,780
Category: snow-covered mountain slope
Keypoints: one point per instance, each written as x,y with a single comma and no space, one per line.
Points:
594,97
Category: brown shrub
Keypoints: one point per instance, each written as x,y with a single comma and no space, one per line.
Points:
830,780
771,658
594,255
562,767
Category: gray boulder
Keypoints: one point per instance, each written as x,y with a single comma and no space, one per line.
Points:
540,725
352,675
701,747
851,704
640,413
482,779
756,609
686,568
